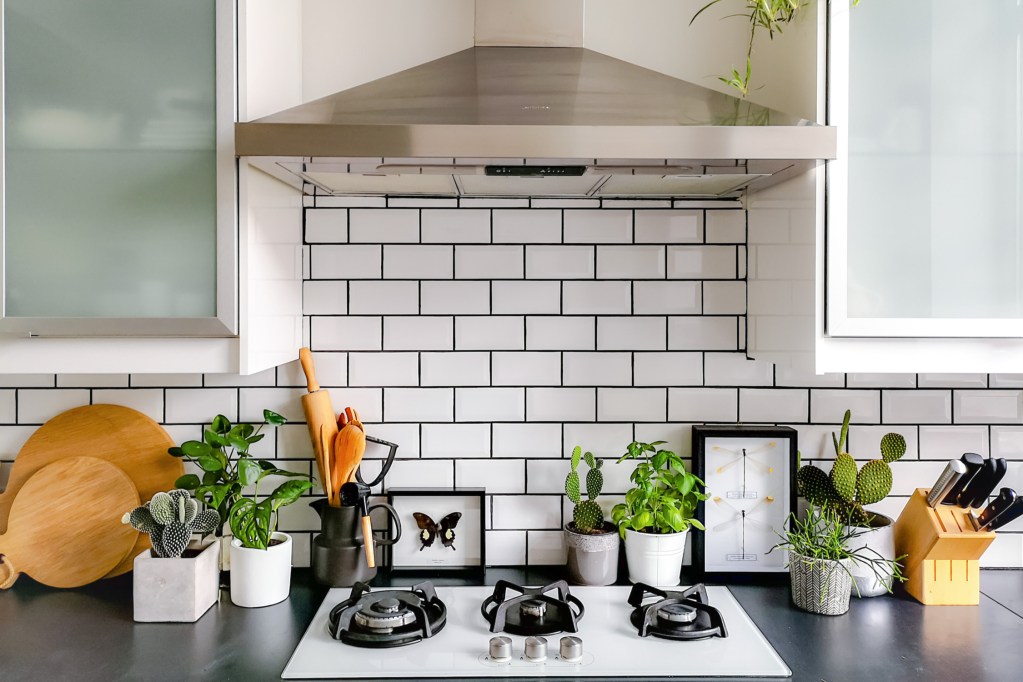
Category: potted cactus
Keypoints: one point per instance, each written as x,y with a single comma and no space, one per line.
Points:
847,490
657,513
177,580
592,541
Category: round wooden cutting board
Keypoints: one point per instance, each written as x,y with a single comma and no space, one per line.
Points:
120,435
65,528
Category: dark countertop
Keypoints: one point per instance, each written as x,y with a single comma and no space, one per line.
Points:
88,634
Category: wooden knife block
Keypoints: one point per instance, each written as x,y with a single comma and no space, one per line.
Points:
942,566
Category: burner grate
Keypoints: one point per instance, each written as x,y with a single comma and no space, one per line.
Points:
534,612
387,619
680,615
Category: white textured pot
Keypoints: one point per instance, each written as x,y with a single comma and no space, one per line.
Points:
881,539
592,558
261,577
177,590
655,559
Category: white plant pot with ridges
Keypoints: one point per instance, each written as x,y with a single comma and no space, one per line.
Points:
881,539
655,559
261,577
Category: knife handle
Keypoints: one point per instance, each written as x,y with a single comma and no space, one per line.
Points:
1007,516
954,470
973,463
1006,498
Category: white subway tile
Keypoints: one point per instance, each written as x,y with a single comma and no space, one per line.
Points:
418,333
527,440
910,474
1007,441
488,262
703,404
988,407
564,203
490,404
419,404
635,203
669,227
735,369
769,226
498,476
379,226
667,298
298,517
950,442
603,440
35,406
330,261
598,226
405,436
632,404
630,262
455,369
369,402
597,298
829,405
598,369
490,333
631,333
546,548
741,264
331,370
506,547
383,369
418,262
326,225
324,297
423,202
456,226
293,441
526,297
952,381
701,262
1006,381
773,405
865,441
383,298
881,380
787,262
560,404
726,227
538,226
1005,552
193,405
668,369
148,401
702,333
526,369
344,202
421,473
494,202
815,440
12,438
559,262
526,511
92,380
547,476
724,298
284,401
800,376
50,380
916,407
345,333
454,298
560,333
456,440
616,480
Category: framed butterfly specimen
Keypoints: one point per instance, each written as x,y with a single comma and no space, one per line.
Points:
443,529
750,476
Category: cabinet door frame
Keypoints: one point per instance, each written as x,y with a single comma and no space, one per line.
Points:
225,323
837,320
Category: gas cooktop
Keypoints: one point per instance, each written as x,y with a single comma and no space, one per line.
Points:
555,631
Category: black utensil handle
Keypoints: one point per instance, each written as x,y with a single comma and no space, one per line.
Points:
973,463
1008,516
1004,500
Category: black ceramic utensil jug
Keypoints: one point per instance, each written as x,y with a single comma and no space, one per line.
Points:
338,551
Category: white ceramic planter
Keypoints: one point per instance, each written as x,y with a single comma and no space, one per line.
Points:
880,539
592,559
176,590
261,577
655,559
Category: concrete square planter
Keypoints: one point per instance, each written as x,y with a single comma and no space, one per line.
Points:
176,590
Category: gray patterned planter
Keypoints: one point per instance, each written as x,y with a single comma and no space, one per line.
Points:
819,585
176,590
592,558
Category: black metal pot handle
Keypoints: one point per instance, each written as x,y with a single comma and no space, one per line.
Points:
397,524
387,462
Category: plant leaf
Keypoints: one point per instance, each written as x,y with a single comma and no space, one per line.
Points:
195,449
220,424
274,419
248,471
187,482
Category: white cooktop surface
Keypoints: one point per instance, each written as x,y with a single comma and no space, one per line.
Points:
611,647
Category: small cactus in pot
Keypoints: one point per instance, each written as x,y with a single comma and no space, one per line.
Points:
587,515
592,542
170,519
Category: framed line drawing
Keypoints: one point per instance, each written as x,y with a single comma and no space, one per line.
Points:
750,472
442,529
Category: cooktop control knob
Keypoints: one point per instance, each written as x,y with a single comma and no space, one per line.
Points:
536,649
571,649
500,649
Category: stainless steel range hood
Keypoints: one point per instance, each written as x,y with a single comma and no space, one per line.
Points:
460,124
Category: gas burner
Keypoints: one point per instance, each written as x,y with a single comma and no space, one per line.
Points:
533,612
681,615
387,619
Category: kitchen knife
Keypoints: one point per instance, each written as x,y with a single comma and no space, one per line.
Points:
973,463
977,491
954,470
1007,516
1006,498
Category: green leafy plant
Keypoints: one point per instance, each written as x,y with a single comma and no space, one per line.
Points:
848,488
170,519
228,468
587,515
664,495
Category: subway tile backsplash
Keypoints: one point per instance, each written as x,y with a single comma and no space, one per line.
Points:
488,340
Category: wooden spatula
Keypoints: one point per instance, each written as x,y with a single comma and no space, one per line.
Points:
349,446
319,416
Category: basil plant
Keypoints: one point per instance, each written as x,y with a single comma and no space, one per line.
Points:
664,495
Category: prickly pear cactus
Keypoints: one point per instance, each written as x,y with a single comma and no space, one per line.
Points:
893,447
843,477
587,514
170,519
874,482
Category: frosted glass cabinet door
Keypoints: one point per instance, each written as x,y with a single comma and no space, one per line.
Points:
925,205
111,203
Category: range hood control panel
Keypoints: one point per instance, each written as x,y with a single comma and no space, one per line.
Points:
535,171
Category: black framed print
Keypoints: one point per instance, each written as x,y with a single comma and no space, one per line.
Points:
750,473
442,529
